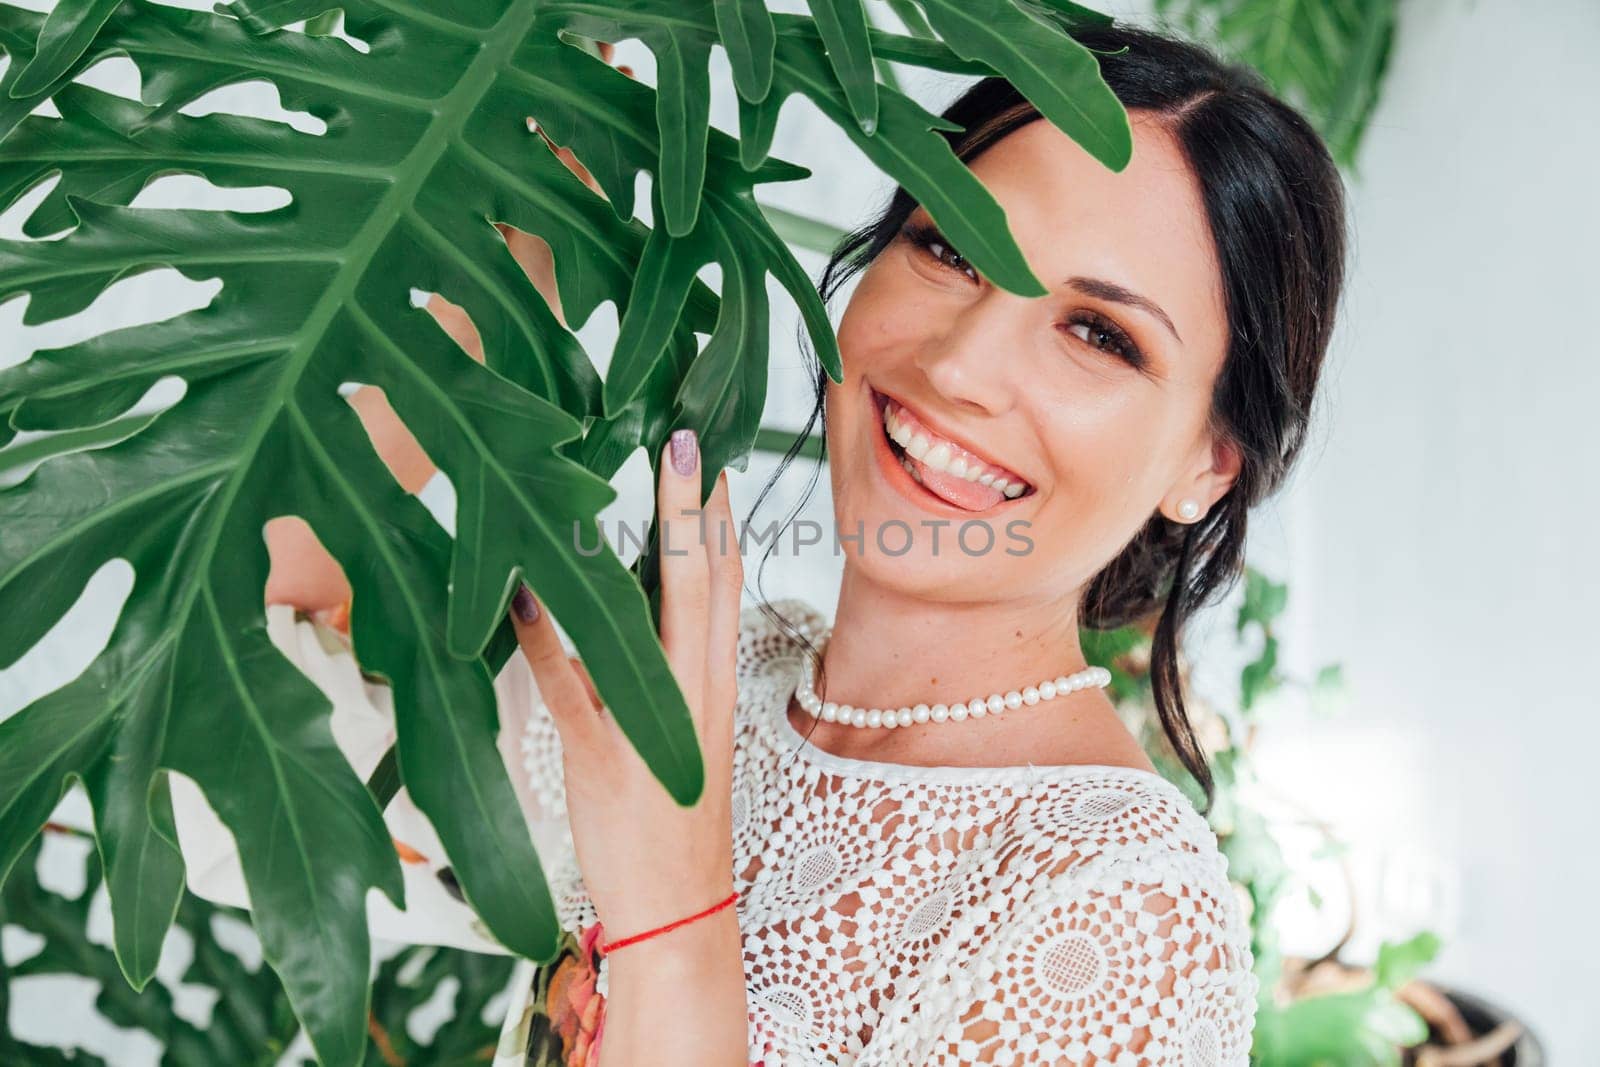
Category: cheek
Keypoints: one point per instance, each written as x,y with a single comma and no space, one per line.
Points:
885,319
1103,452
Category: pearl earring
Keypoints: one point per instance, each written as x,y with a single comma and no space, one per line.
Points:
1188,509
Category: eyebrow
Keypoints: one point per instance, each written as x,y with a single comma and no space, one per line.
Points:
1108,290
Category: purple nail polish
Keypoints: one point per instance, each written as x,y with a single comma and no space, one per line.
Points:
684,448
524,605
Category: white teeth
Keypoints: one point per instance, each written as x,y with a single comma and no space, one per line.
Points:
1011,490
938,455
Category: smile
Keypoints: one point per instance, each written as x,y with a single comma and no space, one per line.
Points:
944,468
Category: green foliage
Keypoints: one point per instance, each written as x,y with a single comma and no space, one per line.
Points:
1361,1028
427,145
1327,57
251,1023
1264,601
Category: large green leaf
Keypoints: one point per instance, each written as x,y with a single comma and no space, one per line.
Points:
427,146
747,33
67,31
842,24
1064,83
250,1023
315,294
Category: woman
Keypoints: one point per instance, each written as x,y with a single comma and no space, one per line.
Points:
928,884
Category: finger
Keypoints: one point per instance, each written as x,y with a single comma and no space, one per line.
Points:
588,682
607,50
563,691
685,574
727,587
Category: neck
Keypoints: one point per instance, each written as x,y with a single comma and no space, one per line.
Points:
890,649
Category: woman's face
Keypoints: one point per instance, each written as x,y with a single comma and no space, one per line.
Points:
1095,396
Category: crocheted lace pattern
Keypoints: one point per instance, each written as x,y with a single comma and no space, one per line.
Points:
894,914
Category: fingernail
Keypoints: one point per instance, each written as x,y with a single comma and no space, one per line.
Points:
684,448
524,605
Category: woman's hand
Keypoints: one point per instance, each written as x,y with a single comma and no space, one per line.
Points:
645,859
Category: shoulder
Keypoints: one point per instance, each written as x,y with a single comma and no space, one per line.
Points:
1112,829
1106,931
1120,873
1113,814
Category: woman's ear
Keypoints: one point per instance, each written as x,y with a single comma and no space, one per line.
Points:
1212,475
1227,459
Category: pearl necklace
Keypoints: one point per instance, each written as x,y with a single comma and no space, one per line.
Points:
976,708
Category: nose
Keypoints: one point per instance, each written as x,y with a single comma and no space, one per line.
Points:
966,362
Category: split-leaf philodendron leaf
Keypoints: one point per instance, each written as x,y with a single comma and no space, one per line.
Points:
428,144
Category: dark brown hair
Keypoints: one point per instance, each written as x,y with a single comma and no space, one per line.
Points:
1274,199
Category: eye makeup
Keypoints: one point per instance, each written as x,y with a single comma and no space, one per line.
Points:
933,244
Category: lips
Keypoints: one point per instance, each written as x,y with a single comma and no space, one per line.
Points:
940,466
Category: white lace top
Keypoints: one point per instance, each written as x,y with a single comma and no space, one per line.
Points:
894,915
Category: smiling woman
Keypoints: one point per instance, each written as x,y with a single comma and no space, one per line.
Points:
1127,420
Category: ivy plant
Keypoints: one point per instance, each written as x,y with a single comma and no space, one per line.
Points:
428,144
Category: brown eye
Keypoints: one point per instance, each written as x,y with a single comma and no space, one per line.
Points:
1107,336
933,244
956,260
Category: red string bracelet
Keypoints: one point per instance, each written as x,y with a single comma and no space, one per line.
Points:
606,949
